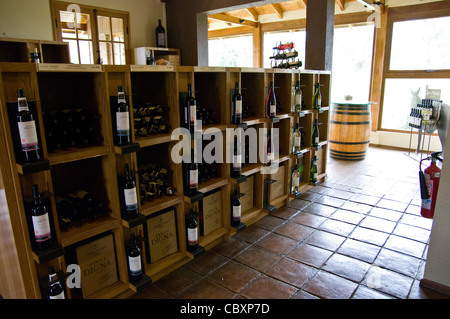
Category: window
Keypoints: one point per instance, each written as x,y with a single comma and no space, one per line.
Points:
234,51
418,59
94,35
352,62
271,39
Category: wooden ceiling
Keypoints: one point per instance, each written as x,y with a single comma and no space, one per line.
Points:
250,16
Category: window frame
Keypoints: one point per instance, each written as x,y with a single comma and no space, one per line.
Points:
56,6
409,13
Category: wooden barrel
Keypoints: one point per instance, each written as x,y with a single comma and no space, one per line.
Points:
350,126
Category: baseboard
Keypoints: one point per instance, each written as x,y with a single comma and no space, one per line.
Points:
435,286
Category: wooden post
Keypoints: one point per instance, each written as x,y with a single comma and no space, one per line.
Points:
257,47
319,34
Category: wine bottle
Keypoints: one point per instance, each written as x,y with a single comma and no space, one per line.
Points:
315,133
27,129
192,231
40,221
134,259
160,34
237,106
271,103
269,150
317,98
295,179
122,119
296,139
236,165
313,177
190,111
297,99
285,55
54,290
130,194
65,212
192,177
235,208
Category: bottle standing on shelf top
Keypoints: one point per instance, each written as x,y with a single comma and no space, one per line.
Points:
192,231
40,222
130,194
236,165
134,259
235,207
297,99
192,177
295,180
160,34
315,133
54,290
190,111
314,175
269,149
236,112
317,98
122,119
296,139
27,129
271,103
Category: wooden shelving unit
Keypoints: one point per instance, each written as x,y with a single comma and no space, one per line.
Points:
99,168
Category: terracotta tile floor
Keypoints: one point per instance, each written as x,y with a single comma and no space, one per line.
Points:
358,235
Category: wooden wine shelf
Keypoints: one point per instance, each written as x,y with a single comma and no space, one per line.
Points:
211,87
87,230
76,154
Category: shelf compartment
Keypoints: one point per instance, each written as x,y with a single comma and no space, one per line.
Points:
253,94
87,230
283,91
75,91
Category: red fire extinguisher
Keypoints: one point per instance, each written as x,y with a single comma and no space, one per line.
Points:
429,184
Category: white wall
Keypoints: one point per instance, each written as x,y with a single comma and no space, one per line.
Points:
31,19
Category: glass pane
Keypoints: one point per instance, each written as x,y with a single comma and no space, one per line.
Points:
421,44
86,55
67,24
398,97
119,53
104,28
84,30
231,51
73,50
106,52
117,29
352,63
271,39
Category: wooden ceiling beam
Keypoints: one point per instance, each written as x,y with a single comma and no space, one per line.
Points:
278,9
253,13
341,4
235,20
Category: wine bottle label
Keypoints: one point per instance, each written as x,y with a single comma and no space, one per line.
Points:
298,99
236,212
316,175
297,140
236,162
295,181
192,236
193,178
135,266
319,102
28,135
238,107
130,199
316,140
270,156
58,296
41,227
193,114
161,39
123,123
273,109
22,103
